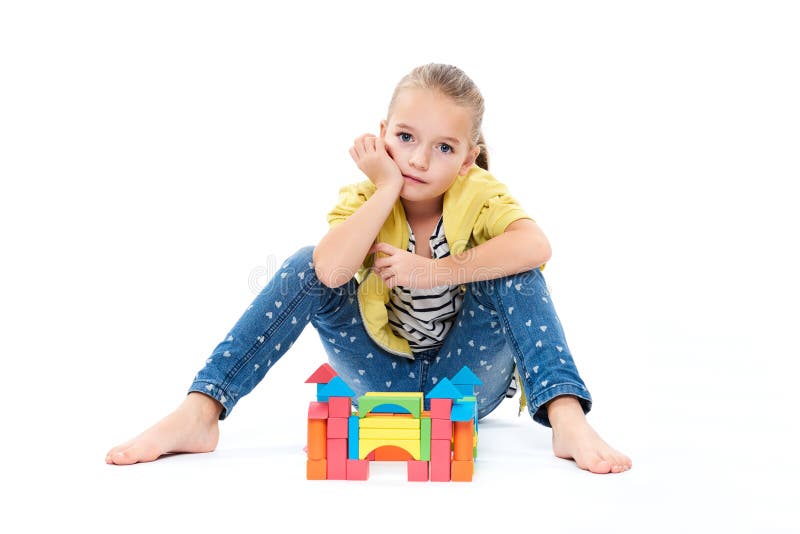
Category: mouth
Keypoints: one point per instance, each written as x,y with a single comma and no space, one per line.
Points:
413,179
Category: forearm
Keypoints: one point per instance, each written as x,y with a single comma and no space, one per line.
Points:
342,250
506,254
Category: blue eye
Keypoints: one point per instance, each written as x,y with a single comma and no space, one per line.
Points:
448,147
405,137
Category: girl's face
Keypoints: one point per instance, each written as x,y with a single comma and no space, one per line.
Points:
428,136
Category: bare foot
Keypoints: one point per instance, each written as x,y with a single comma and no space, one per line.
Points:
192,427
574,439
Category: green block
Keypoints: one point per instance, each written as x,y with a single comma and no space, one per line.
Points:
367,402
425,440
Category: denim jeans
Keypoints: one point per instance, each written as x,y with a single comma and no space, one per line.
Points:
502,322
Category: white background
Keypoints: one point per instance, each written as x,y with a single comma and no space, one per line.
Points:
159,160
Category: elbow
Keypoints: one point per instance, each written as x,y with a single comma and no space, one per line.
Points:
322,273
331,278
543,252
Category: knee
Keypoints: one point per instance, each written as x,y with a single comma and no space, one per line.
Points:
304,255
526,283
301,261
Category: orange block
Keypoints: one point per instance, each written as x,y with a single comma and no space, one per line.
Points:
390,453
317,439
462,440
461,471
316,470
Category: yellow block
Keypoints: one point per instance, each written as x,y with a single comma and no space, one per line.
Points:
415,394
388,433
365,446
382,421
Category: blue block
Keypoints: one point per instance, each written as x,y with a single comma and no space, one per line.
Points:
463,412
320,396
389,408
352,437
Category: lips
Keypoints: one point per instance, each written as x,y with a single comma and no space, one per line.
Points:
413,178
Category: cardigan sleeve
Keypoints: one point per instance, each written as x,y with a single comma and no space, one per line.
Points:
495,215
351,197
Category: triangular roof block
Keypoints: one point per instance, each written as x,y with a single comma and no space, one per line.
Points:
466,377
444,390
322,375
337,388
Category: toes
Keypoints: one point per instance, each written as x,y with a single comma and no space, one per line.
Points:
134,454
600,466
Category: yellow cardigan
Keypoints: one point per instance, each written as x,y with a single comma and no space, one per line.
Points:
476,208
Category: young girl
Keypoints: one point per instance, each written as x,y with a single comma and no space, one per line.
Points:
428,266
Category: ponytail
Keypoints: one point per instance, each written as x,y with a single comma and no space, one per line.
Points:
482,160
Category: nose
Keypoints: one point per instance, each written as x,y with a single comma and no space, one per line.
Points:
419,159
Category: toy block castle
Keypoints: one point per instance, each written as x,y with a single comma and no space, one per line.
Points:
438,445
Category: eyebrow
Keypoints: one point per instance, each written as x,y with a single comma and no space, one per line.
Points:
404,126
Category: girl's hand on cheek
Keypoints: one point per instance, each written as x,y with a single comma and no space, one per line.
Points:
370,154
402,268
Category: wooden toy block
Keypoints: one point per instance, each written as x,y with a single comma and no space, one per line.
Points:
387,421
338,427
316,470
417,471
440,408
370,456
463,411
425,440
463,440
337,459
441,429
366,403
390,453
388,433
322,375
461,471
440,460
352,437
317,439
357,469
365,446
408,394
317,410
339,407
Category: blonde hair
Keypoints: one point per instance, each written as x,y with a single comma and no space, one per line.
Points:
454,83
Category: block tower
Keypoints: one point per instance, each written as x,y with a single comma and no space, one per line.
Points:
438,445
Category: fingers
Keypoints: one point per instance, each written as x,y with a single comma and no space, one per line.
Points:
363,144
381,247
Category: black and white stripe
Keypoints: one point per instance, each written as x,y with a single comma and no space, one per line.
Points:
425,316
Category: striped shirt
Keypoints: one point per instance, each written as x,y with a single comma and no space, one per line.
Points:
425,316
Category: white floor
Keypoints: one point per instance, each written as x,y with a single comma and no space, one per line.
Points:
699,466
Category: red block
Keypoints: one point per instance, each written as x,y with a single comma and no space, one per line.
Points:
357,469
337,427
440,408
417,471
441,429
318,410
440,460
339,407
337,459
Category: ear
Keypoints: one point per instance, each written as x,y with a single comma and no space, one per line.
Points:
383,129
469,161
